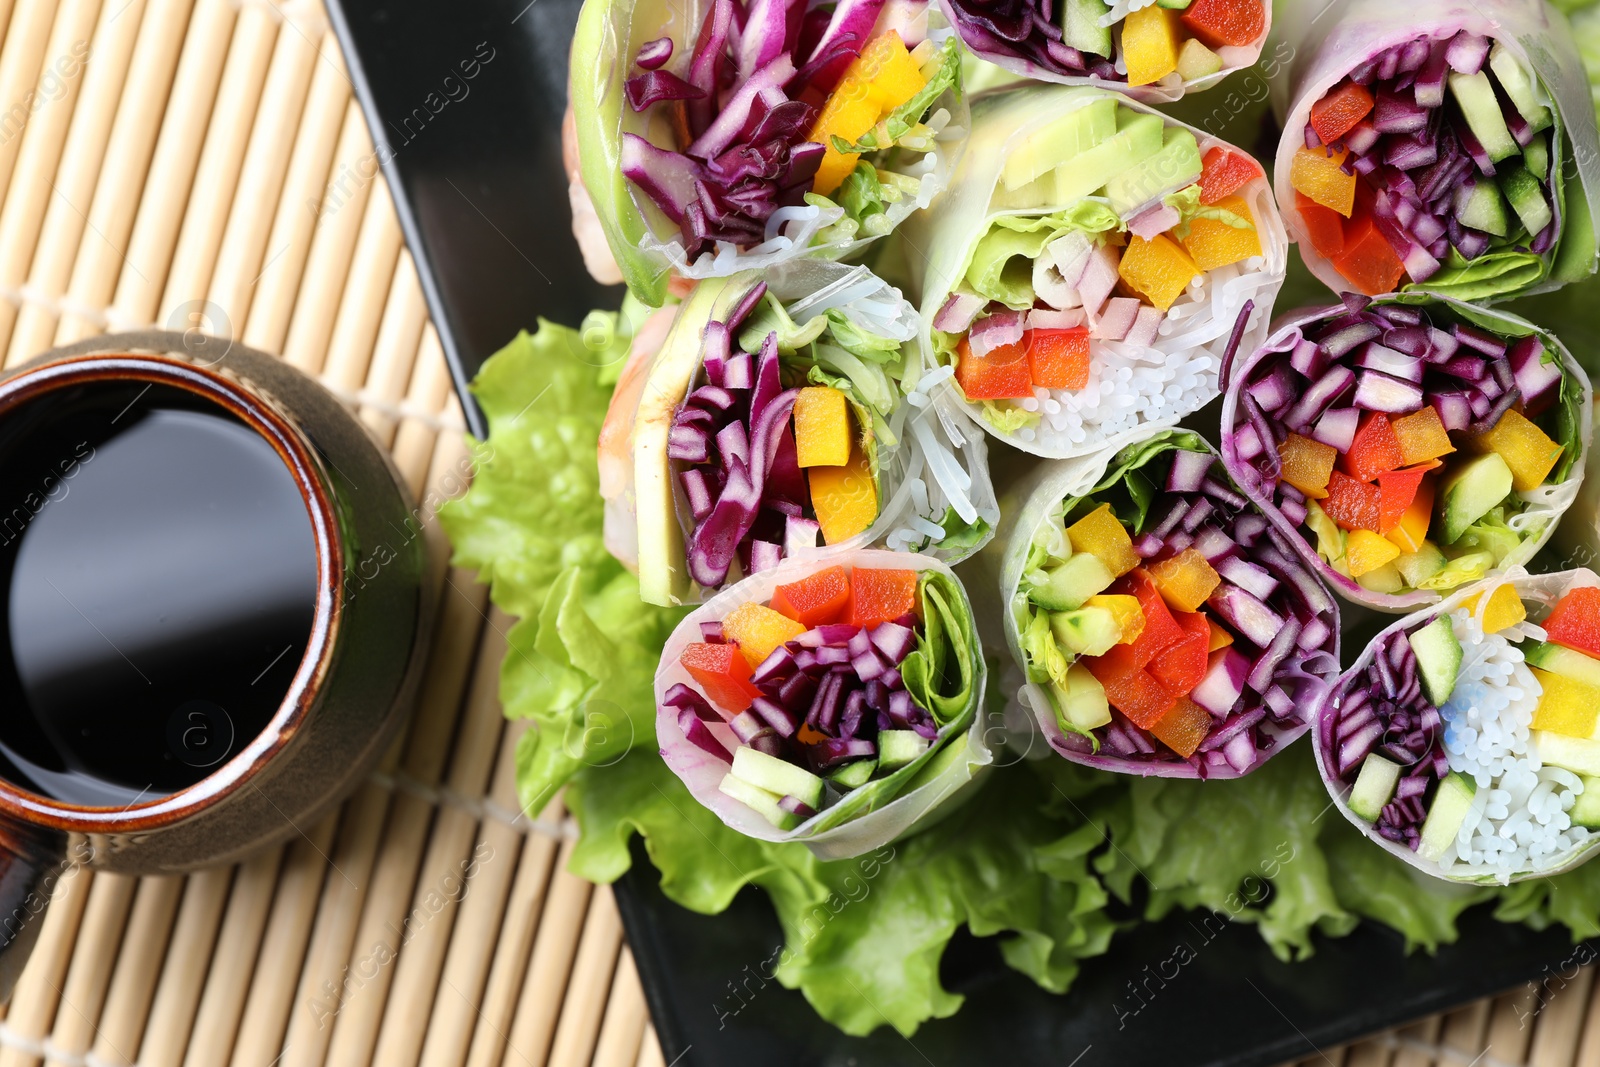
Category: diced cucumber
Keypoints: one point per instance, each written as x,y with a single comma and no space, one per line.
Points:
1586,812
1469,492
777,776
1374,786
1175,166
1536,157
1451,803
1068,137
896,748
1417,567
1526,194
1081,29
1518,85
1139,136
854,775
1480,206
1438,658
1384,579
763,802
1581,755
1085,632
1082,701
1196,61
1475,94
1067,585
1174,5
1559,659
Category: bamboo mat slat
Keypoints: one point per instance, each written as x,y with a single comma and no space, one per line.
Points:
207,166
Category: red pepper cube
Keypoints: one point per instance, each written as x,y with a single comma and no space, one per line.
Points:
815,599
1374,449
1337,113
1396,491
1059,359
1182,666
1129,687
1183,727
1226,22
880,596
999,374
1224,172
1324,226
722,673
1368,261
1575,620
1161,630
1351,504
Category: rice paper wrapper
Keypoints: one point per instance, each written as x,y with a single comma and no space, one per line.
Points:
1166,91
1197,329
1545,505
648,246
1041,495
1330,38
1538,592
933,483
872,815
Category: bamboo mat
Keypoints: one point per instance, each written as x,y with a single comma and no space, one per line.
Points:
171,180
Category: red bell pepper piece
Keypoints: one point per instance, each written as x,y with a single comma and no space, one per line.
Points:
880,596
1000,374
1375,449
1161,630
1575,620
1226,22
723,673
1058,359
815,599
1396,491
1129,687
1224,172
1182,666
1338,111
1324,226
1368,261
1351,504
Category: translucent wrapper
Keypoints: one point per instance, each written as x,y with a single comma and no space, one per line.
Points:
648,245
1544,505
1303,673
1331,39
1538,593
930,468
1039,66
1132,388
866,817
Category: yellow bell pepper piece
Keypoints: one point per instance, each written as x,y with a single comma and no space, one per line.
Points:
1100,534
1150,41
1566,706
822,427
844,498
1527,450
1504,608
1366,551
1159,270
1411,532
1212,243
1307,464
1125,609
1220,637
759,630
1422,436
1185,580
1317,175
880,79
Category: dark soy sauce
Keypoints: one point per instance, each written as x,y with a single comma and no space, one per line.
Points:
160,580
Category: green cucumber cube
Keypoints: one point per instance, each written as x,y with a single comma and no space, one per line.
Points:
777,776
1526,194
896,748
1479,206
1586,812
1081,29
1518,85
1469,492
761,801
1475,94
1438,659
1536,157
1067,585
1451,802
1374,786
854,775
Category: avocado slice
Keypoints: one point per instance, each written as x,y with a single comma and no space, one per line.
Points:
1480,206
1086,631
896,748
1451,802
1438,659
1082,701
1139,136
776,776
1068,137
1374,786
1475,94
1081,29
1469,492
1175,166
1070,583
1526,194
1559,659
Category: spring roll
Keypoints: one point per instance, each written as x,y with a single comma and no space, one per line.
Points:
779,414
715,137
1448,144
1164,627
1090,267
1464,739
1157,51
1409,445
833,702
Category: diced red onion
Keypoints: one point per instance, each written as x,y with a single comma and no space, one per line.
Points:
696,733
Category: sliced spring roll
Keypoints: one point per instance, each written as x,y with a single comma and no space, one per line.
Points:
833,702
1157,49
716,137
1464,739
1164,627
781,414
1090,268
1449,144
1410,445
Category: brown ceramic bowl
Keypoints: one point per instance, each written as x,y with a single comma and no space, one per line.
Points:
352,686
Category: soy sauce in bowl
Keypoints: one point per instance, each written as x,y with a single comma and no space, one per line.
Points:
159,578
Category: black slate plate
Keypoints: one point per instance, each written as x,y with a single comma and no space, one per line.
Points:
475,166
